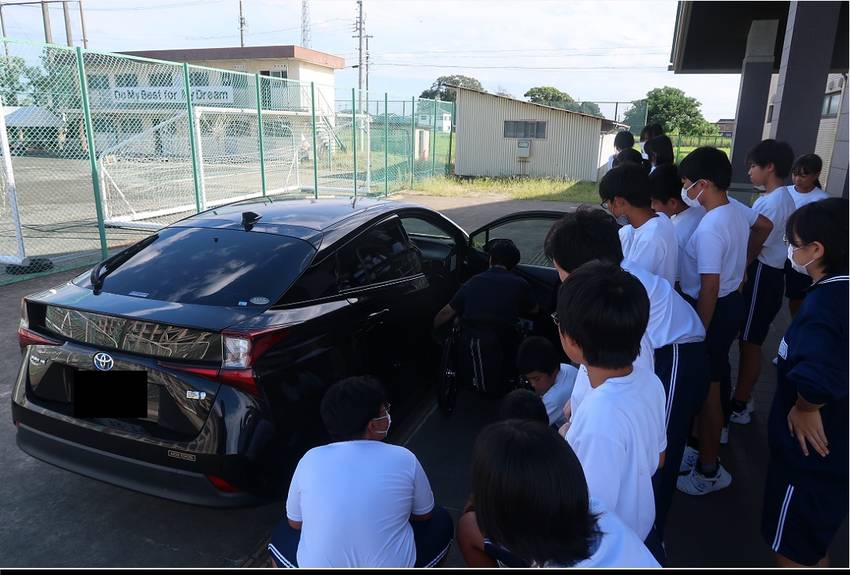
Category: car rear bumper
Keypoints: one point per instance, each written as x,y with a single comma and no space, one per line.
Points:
145,477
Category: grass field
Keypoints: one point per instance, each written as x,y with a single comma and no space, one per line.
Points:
513,188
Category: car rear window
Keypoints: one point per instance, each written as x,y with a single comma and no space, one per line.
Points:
212,267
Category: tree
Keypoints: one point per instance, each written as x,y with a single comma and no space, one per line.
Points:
670,107
447,94
549,96
12,75
501,91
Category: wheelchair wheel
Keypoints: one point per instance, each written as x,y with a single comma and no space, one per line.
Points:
447,390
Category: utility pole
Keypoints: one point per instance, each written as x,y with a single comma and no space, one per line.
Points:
3,26
359,26
45,15
305,23
69,36
83,25
241,26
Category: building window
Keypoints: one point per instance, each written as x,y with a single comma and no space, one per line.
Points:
525,129
161,80
831,104
234,80
199,78
770,113
274,73
131,126
126,80
97,81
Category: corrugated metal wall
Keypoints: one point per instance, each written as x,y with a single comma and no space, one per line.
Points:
570,149
825,142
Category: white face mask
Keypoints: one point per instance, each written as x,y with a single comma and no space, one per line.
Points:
389,423
691,202
794,265
622,220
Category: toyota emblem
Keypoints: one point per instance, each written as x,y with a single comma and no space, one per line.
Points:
103,361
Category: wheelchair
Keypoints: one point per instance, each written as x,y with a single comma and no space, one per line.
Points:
480,353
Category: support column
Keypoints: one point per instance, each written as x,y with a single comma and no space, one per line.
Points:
752,96
806,59
836,184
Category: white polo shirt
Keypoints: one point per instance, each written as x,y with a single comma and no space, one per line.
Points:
685,222
717,246
557,396
618,435
777,206
355,499
618,546
653,246
801,199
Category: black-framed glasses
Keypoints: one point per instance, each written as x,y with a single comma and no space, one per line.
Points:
556,319
604,205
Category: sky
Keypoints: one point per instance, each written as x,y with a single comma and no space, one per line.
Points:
597,51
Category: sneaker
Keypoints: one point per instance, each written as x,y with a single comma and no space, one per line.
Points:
740,417
724,435
689,459
775,361
695,483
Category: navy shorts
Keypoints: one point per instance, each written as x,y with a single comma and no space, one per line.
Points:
800,518
722,331
432,538
683,369
796,283
763,297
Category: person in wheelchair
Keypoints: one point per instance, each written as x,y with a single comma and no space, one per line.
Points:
488,308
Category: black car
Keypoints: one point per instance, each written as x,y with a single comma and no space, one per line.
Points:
224,329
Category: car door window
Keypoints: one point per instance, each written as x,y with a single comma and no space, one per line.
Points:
421,228
381,254
528,235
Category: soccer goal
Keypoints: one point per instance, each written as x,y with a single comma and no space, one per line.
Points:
147,179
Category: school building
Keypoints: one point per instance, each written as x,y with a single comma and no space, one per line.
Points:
499,136
793,60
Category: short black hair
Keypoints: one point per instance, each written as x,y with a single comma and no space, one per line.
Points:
504,253
537,354
523,404
605,309
531,494
587,234
627,181
627,156
808,164
650,131
662,148
824,221
624,140
707,163
349,405
773,152
665,183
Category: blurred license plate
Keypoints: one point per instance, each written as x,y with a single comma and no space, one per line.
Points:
118,394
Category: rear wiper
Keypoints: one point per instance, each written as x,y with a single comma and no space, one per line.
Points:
110,264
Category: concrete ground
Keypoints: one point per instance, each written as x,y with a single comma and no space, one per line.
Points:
53,518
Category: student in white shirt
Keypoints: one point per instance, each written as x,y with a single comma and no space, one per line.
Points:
537,361
617,431
665,189
360,502
624,140
712,271
806,189
648,238
532,502
673,345
660,152
770,163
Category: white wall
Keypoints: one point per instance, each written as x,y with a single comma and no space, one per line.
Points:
570,149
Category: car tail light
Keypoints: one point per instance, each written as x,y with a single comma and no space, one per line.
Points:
241,351
222,484
28,337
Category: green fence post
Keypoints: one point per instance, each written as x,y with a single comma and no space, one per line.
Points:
386,145
315,151
412,141
261,138
678,146
451,133
193,145
354,138
434,142
95,177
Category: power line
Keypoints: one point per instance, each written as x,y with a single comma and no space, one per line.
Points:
528,50
573,68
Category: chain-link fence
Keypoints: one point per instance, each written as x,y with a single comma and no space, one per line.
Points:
100,149
684,145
